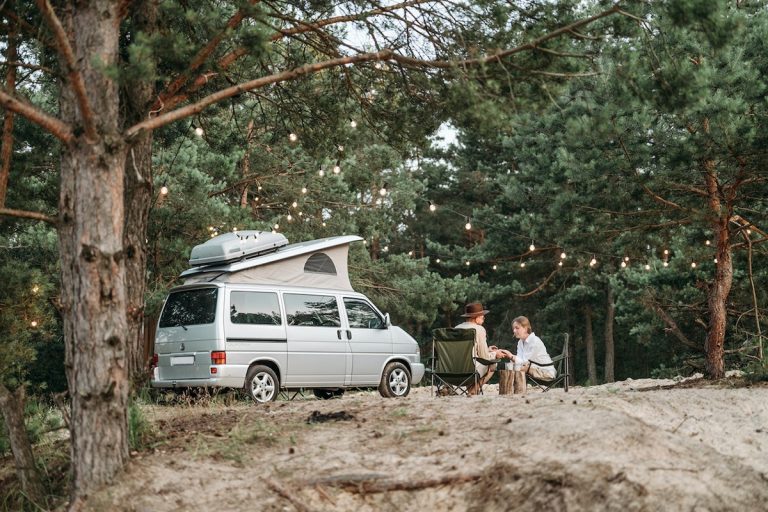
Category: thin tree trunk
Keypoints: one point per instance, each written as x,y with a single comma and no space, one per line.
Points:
91,216
246,165
138,199
6,146
589,342
12,407
723,279
610,356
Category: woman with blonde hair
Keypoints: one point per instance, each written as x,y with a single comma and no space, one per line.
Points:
531,350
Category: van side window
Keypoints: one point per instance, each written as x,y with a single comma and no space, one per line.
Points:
255,308
361,315
312,310
190,307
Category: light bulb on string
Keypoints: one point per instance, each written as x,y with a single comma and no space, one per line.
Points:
563,255
559,263
163,190
666,252
353,123
715,261
707,242
386,248
340,147
294,204
276,227
531,247
626,258
33,323
35,289
410,253
289,217
323,223
303,190
522,264
693,264
293,137
198,131
336,168
437,260
666,263
468,225
432,206
466,263
321,173
383,190
623,264
495,267
593,262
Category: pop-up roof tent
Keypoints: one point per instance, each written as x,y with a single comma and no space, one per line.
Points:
266,258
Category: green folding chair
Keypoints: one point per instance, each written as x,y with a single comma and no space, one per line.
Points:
451,365
562,367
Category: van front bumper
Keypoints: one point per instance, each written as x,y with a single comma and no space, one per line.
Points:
231,376
417,372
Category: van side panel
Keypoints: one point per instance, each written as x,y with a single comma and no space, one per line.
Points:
370,341
255,330
318,350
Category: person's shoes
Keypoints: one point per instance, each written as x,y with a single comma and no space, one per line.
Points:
444,391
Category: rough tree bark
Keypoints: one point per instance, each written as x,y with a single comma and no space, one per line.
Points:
139,94
91,219
589,342
12,407
6,145
610,349
723,279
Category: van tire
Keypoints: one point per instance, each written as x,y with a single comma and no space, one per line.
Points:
395,381
261,384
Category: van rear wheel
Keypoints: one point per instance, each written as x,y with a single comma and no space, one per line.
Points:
262,384
395,381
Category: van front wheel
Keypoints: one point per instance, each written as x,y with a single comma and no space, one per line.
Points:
395,381
262,384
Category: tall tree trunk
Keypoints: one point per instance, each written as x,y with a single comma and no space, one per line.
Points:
6,145
91,217
610,352
589,342
139,95
12,407
721,286
247,165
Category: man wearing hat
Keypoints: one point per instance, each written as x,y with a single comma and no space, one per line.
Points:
475,316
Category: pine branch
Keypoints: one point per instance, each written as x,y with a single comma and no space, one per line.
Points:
55,126
28,215
78,85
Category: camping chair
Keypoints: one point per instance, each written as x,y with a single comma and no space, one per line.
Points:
451,366
562,366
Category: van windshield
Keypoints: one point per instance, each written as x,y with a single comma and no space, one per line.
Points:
190,307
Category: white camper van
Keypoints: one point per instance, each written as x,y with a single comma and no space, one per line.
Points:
267,316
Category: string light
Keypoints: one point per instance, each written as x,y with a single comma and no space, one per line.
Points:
303,190
386,248
715,261
410,253
323,223
562,255
531,247
336,169
623,264
666,263
289,217
321,173
707,242
468,225
522,264
163,190
626,259
466,262
559,263
437,260
276,227
593,262
353,123
383,190
432,206
666,252
693,264
647,267
294,204
35,289
341,148
33,323
199,131
293,137
495,267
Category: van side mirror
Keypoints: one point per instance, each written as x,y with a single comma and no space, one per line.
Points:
387,321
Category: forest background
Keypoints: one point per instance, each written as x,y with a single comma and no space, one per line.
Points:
606,180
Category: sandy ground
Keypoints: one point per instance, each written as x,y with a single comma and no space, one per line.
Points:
645,445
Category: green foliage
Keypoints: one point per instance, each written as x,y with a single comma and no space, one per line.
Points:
139,428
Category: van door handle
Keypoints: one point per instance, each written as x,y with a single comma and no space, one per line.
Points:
349,334
338,333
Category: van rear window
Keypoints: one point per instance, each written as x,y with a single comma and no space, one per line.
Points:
190,307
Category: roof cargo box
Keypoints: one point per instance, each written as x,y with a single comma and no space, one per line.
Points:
235,246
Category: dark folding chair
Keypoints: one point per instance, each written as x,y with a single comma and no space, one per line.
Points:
451,365
562,367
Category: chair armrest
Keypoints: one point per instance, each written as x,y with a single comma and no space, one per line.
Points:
554,360
486,362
